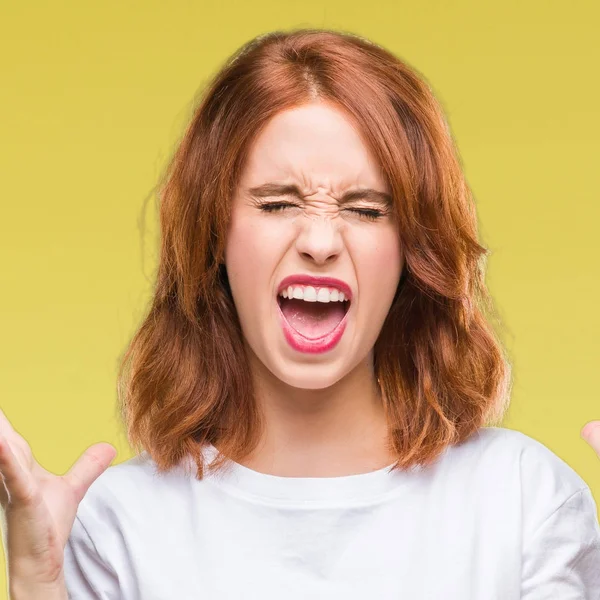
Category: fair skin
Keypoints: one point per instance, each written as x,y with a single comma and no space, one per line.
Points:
324,405
591,434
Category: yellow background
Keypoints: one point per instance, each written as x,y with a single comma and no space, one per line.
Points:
96,94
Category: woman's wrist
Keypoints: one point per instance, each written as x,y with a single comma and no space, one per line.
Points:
21,589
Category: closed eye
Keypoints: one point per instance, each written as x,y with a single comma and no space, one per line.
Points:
371,214
275,206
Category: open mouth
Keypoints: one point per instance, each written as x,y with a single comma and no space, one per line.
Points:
316,314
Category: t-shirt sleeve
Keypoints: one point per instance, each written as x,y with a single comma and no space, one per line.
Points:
561,558
87,575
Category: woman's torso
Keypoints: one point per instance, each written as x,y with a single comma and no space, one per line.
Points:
473,526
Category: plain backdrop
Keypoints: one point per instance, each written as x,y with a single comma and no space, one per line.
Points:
95,95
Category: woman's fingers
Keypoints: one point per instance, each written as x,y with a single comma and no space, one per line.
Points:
5,427
17,483
591,434
90,465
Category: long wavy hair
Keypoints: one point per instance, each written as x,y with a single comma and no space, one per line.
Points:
184,379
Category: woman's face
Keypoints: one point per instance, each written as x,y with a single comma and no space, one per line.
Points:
292,228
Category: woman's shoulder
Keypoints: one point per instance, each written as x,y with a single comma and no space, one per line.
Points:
503,446
116,513
516,459
133,485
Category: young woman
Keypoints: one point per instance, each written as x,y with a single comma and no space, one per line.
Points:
315,393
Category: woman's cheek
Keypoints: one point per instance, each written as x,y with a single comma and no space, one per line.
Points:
384,268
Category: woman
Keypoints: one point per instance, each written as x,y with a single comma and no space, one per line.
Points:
310,390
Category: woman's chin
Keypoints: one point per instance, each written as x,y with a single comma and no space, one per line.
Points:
309,375
314,382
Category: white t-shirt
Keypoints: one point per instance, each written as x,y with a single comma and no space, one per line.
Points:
500,517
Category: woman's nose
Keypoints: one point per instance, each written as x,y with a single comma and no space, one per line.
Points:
319,240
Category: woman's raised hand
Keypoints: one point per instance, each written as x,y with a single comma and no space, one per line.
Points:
39,508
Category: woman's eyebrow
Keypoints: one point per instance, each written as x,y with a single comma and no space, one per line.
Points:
277,189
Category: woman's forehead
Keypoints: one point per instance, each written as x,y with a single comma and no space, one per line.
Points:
314,146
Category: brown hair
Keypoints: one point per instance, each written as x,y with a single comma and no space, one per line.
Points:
184,379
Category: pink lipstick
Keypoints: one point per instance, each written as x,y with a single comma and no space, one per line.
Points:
297,340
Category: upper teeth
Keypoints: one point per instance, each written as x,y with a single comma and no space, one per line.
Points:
311,294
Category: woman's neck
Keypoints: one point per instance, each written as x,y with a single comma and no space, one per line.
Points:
340,430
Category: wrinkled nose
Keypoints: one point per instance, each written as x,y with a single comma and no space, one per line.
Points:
319,240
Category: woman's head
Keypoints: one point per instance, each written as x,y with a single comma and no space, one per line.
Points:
318,116
293,224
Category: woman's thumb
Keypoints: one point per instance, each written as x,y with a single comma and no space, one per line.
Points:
89,466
